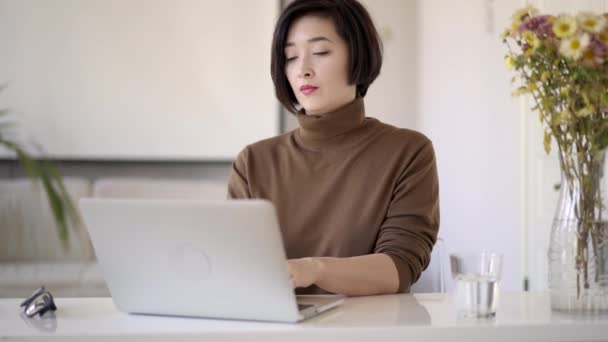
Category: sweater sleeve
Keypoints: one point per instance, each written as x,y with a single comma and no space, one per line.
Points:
410,227
238,184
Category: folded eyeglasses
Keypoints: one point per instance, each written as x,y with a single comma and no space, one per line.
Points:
39,302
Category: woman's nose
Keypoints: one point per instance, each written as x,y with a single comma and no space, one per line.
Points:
304,69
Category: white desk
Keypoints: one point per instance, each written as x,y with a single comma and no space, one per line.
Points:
423,317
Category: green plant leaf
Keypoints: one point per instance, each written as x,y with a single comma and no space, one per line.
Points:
601,138
58,198
56,205
30,165
547,142
604,99
67,200
48,175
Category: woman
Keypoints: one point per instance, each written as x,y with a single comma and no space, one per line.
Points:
357,199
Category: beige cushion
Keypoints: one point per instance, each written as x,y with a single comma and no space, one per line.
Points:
63,279
159,188
28,231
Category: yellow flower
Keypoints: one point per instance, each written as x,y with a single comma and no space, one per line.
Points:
531,39
509,62
514,29
518,17
591,23
573,48
565,26
603,36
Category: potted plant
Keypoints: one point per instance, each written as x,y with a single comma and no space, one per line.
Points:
42,169
561,61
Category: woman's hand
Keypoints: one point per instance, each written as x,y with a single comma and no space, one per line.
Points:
304,272
362,275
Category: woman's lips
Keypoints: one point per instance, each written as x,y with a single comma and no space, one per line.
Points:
307,90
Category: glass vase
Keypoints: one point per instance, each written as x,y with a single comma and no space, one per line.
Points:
578,247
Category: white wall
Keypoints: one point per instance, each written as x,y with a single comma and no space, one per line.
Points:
465,107
392,98
139,79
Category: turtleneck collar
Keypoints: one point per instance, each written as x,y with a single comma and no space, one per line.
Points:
315,128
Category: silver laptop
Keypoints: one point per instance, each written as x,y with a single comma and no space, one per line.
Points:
216,259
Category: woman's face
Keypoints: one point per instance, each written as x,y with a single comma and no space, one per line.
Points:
317,65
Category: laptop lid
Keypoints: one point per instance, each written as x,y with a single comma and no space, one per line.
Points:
221,259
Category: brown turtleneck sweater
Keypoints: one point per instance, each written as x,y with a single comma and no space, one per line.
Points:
347,185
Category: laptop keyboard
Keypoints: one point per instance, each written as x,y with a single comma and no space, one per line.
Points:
304,306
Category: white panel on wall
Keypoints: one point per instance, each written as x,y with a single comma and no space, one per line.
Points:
467,110
139,79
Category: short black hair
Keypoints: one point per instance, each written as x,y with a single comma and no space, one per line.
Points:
353,24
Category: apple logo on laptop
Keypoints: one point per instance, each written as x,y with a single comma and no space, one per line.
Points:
189,262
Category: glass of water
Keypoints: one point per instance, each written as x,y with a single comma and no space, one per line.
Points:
476,276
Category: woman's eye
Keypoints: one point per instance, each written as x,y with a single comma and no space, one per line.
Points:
322,53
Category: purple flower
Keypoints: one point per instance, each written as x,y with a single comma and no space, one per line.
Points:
541,25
